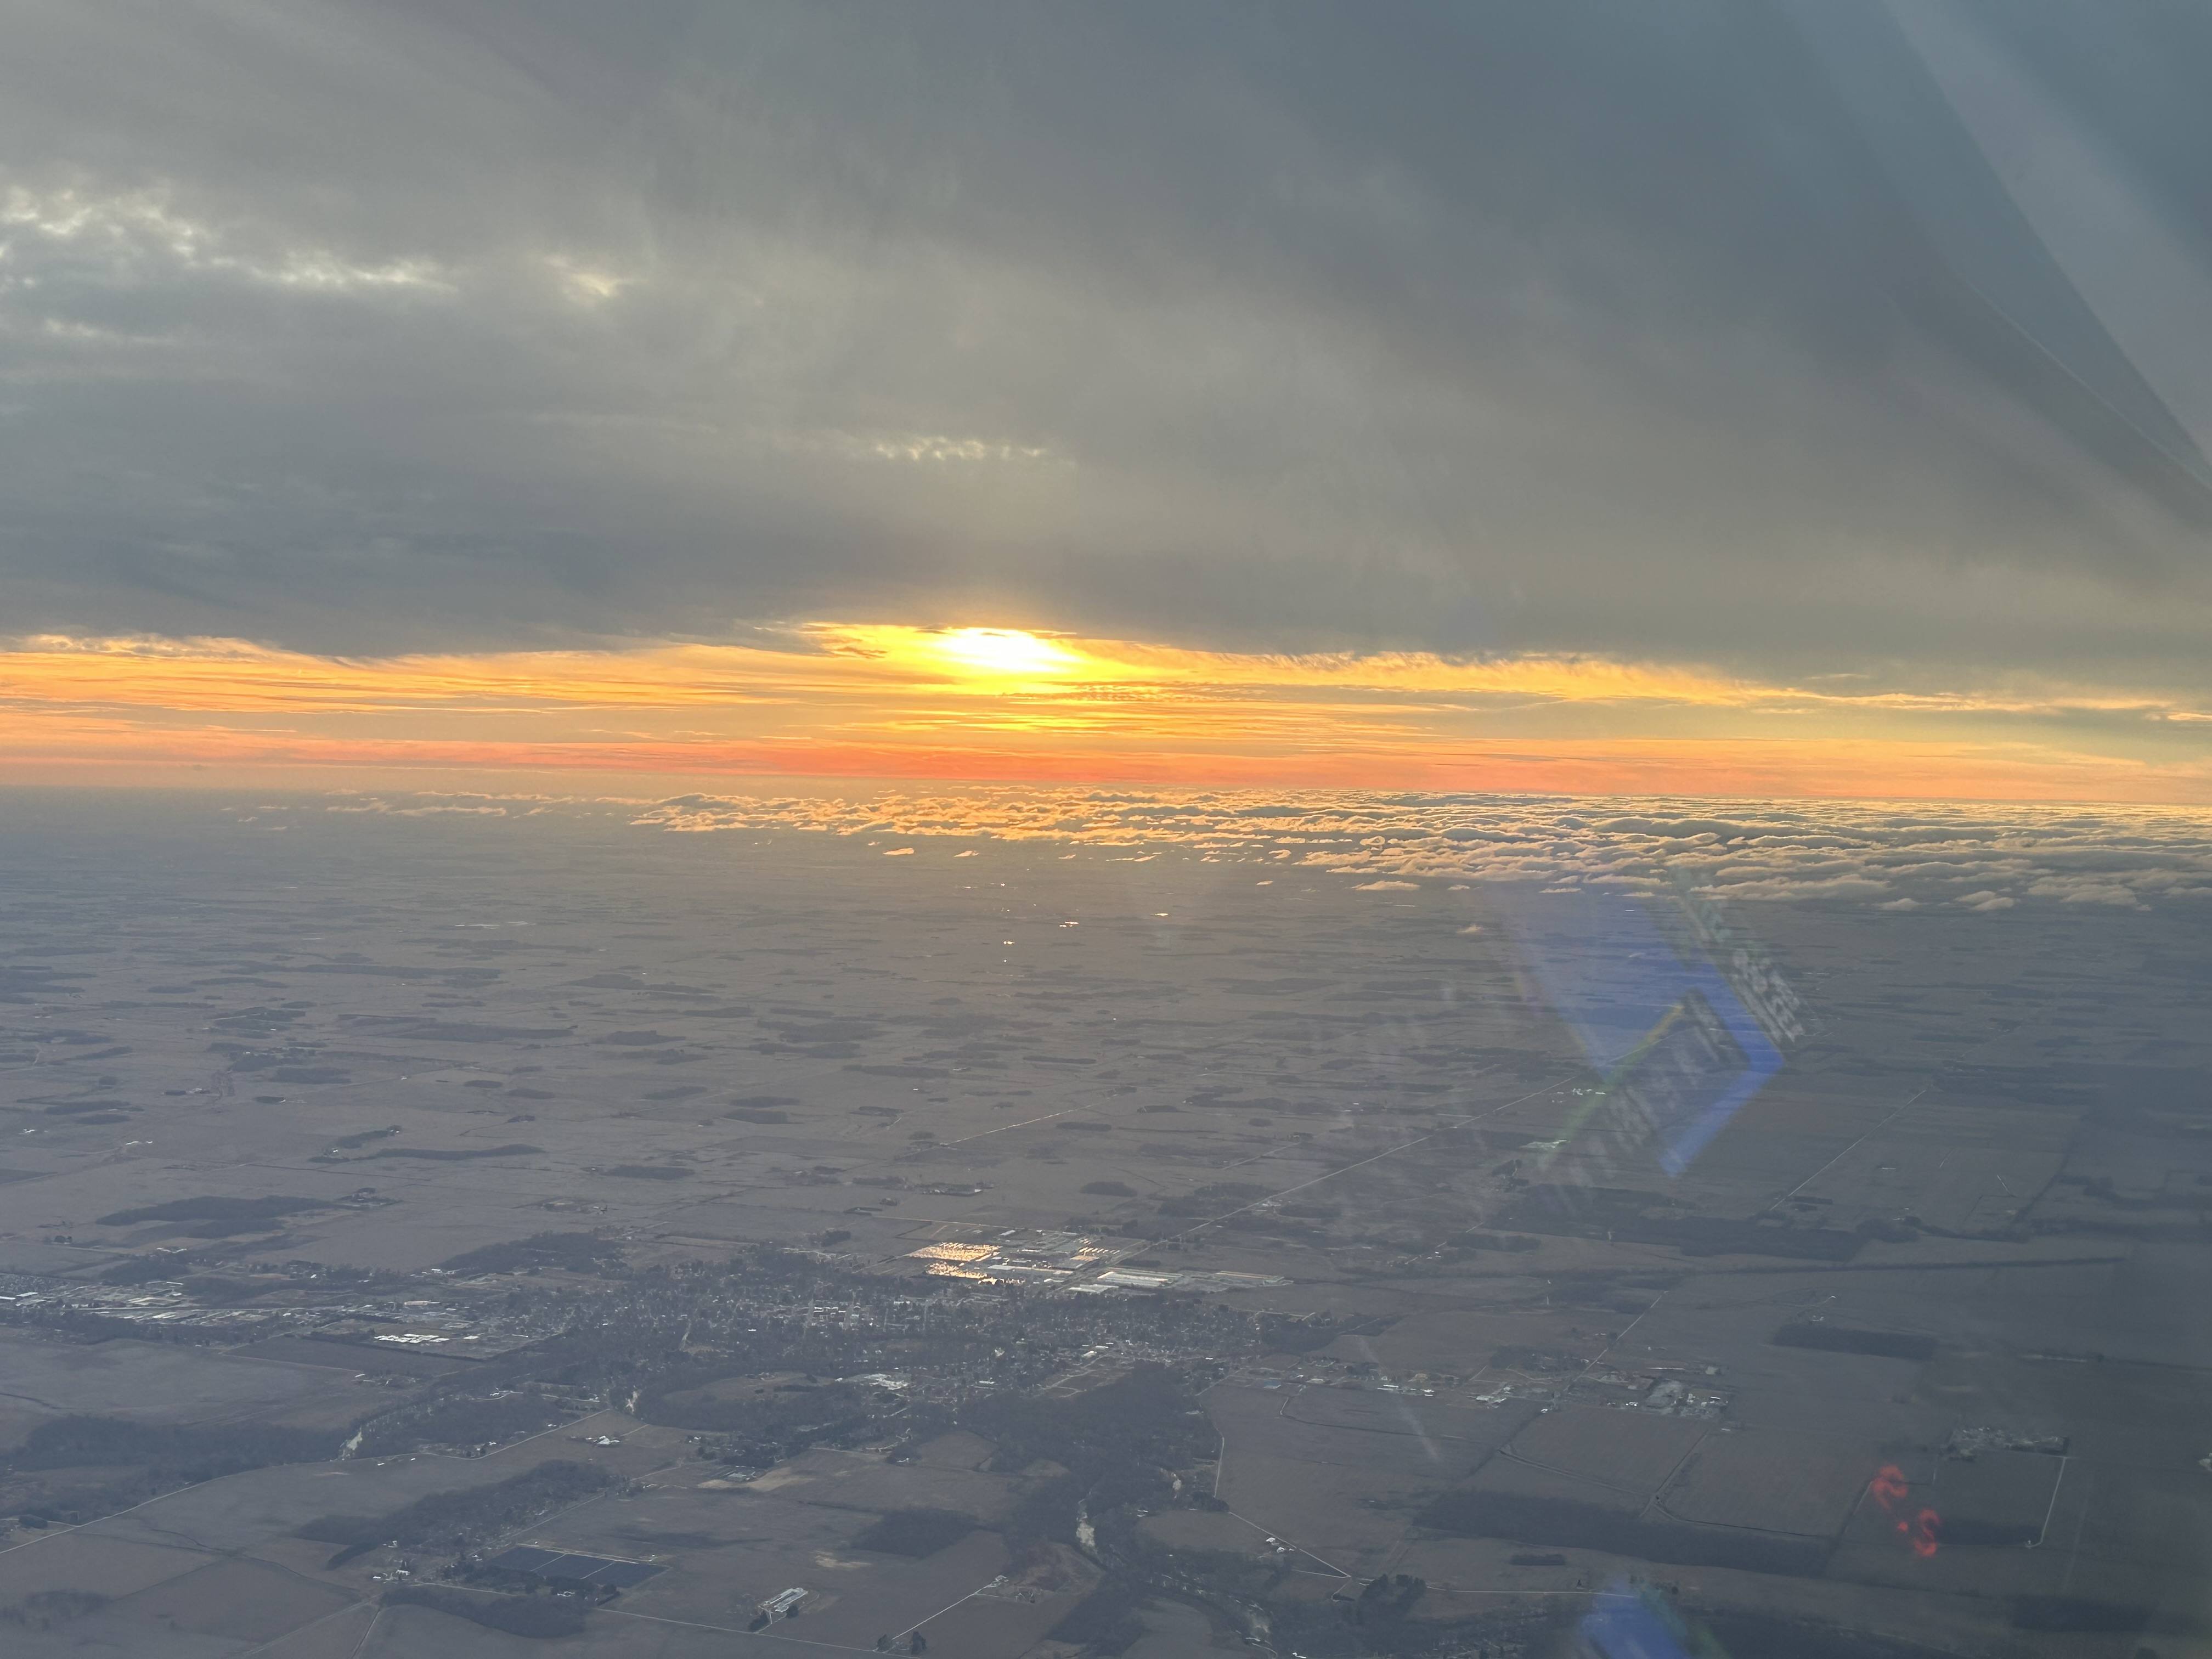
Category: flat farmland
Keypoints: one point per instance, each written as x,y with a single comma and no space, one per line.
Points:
1173,1631
957,1450
1303,1425
1475,1565
884,1594
404,1633
1372,1411
239,1511
171,1382
994,1626
1345,1494
239,1601
1461,1344
1780,1386
18,1417
2001,1497
637,1020
725,1551
657,1521
115,1638
85,1560
1214,1532
1506,1481
337,1636
721,1562
863,1481
1772,1479
1626,1451
1958,1164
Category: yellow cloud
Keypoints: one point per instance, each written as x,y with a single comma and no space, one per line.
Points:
990,701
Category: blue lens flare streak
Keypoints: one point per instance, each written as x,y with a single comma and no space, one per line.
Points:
1629,1621
1681,1044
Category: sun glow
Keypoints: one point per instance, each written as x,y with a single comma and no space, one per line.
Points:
894,700
1001,653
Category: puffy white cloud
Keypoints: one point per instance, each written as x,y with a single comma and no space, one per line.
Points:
1829,852
2079,891
1832,887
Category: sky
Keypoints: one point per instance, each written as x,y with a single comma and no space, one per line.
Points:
1807,398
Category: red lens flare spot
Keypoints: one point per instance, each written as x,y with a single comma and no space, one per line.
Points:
1888,1485
1922,1533
1924,1540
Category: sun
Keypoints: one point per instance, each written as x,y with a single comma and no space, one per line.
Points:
1002,652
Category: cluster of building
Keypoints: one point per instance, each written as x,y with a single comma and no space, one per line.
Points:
1017,1256
158,1302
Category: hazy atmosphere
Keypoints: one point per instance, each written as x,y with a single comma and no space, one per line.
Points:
1118,831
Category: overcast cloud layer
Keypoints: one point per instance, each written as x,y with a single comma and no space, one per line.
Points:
1577,327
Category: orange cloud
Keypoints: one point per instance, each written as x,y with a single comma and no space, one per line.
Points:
1003,705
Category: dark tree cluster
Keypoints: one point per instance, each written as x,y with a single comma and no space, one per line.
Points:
455,1519
916,1532
164,1458
47,1609
221,1211
1105,1621
575,1253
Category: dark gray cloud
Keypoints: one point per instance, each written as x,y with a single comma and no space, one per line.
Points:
1583,327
